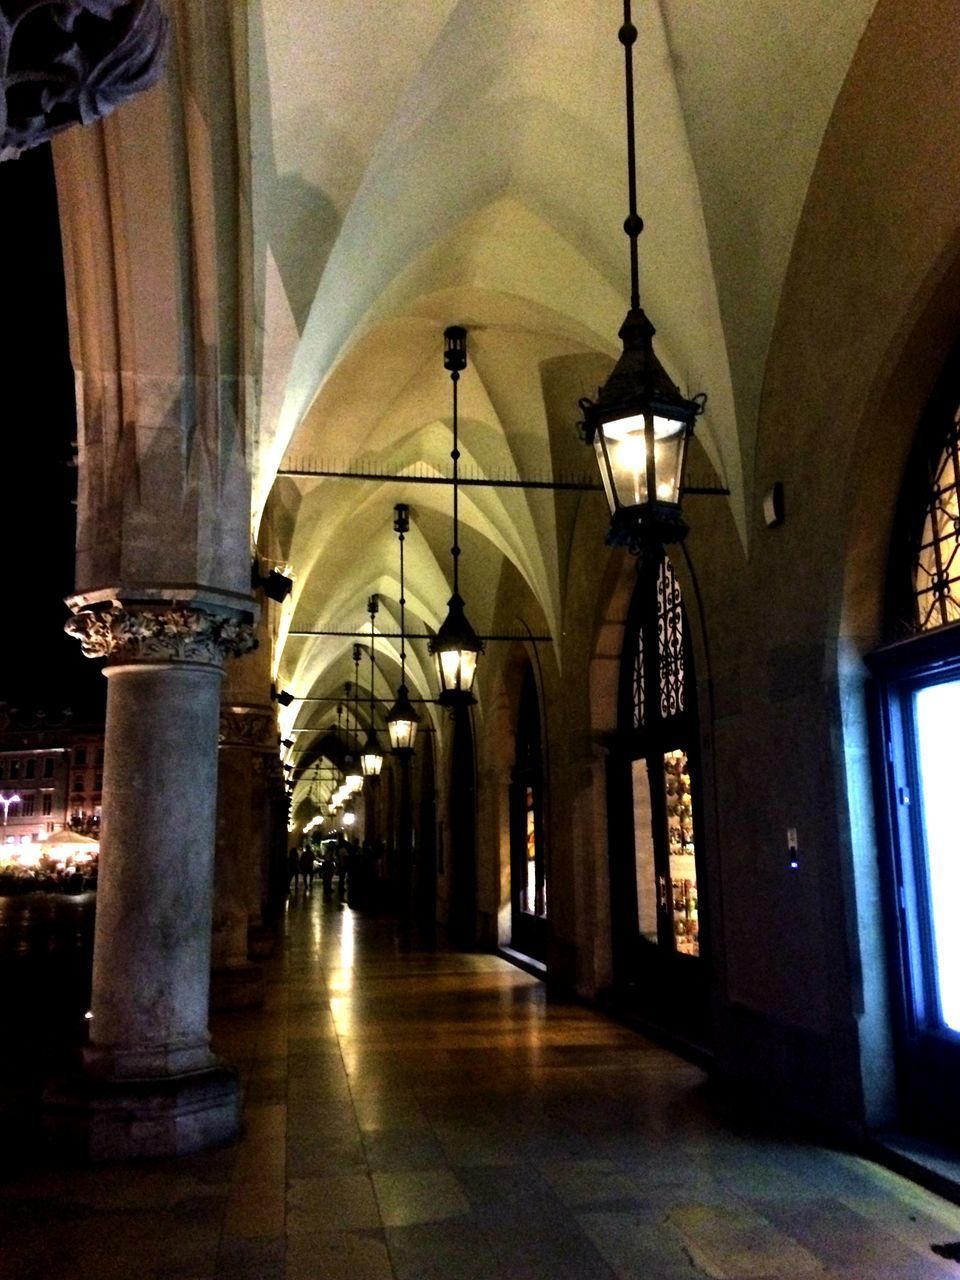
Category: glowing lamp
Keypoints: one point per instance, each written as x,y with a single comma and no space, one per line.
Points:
456,648
402,724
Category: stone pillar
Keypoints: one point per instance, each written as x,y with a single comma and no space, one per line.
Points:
154,211
151,1084
248,736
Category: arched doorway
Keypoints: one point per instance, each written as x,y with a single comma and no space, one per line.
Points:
654,808
917,710
528,860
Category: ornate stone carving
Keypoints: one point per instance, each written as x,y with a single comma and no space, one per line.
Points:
66,62
181,633
248,727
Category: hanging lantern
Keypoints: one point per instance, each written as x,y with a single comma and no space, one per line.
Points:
402,724
639,424
402,720
456,646
371,757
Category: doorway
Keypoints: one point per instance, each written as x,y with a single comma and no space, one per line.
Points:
528,862
919,705
653,797
916,705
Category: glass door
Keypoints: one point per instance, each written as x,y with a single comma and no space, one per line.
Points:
919,713
653,802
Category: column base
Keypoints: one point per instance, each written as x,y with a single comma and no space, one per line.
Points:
138,1119
238,986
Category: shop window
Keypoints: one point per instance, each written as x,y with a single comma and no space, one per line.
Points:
528,860
656,732
653,807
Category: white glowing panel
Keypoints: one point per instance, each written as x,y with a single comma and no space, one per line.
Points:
937,709
458,668
627,451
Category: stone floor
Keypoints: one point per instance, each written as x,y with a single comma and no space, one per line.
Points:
419,1115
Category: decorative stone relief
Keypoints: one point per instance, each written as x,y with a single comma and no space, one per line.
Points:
248,727
179,634
66,62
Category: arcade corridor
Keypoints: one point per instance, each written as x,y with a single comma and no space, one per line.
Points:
412,1115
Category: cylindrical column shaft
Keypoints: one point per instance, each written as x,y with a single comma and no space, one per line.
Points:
152,941
231,906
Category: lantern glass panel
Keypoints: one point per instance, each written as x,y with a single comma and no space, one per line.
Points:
457,668
622,454
372,763
403,733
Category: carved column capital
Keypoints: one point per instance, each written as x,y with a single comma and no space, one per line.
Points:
66,62
182,633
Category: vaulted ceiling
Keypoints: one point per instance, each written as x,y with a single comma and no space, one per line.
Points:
429,163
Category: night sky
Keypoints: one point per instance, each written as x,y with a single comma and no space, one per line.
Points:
40,666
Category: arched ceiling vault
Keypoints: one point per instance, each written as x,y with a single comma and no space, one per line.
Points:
465,163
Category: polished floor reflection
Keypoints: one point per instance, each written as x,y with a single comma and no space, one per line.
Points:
417,1115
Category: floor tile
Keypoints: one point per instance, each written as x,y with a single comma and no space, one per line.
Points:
338,1255
442,1251
417,1115
407,1199
345,1202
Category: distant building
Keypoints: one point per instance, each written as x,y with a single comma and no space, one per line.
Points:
85,779
51,776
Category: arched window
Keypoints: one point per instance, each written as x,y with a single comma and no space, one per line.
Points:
917,711
653,806
936,575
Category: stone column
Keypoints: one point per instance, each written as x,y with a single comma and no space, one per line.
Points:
247,735
152,1085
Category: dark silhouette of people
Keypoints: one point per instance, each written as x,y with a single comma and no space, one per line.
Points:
306,868
327,867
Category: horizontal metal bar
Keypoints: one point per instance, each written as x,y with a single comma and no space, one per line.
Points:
464,481
409,635
468,481
380,702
